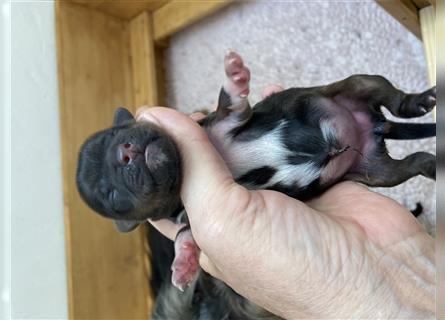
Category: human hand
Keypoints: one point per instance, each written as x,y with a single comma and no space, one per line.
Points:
350,253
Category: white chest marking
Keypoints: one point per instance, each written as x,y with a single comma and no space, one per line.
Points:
327,131
267,150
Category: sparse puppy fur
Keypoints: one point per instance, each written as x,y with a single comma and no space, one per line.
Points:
299,141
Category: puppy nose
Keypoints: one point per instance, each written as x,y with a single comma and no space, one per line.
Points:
126,153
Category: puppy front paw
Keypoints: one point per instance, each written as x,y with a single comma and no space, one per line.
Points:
185,267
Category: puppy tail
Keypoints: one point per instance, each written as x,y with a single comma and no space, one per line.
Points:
409,131
418,210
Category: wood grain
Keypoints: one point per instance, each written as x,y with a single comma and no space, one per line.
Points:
405,12
428,27
124,9
107,272
177,15
160,75
143,60
423,3
420,3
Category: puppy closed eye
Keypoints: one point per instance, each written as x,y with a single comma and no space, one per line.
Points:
119,203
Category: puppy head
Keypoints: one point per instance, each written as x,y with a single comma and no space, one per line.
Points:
129,172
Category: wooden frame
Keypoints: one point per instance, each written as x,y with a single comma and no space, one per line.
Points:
110,54
407,12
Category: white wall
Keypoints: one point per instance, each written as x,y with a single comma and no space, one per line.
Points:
38,243
5,176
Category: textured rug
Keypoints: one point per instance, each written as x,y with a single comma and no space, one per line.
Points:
303,44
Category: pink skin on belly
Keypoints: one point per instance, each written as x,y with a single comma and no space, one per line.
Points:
353,128
366,128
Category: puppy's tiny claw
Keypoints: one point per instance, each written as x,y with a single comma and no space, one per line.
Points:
229,51
180,287
235,61
432,99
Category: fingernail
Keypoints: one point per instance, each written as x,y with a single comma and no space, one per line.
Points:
148,117
197,116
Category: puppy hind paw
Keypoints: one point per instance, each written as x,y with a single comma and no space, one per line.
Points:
238,75
424,102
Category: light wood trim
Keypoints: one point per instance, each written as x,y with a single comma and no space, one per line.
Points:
405,12
107,272
89,3
422,3
160,75
145,90
177,15
428,27
124,9
143,60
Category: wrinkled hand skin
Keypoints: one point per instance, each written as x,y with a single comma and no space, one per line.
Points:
350,253
374,266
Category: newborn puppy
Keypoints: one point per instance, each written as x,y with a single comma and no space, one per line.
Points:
299,141
130,172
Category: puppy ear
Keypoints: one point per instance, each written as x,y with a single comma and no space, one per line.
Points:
122,116
126,226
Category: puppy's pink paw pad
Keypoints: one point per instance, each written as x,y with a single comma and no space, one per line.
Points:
238,75
233,63
185,267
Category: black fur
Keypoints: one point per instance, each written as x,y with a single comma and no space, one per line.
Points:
162,252
206,299
257,176
406,131
418,210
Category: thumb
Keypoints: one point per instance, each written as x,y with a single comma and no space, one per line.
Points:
206,179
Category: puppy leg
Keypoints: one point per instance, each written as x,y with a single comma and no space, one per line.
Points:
376,91
233,105
388,172
185,267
